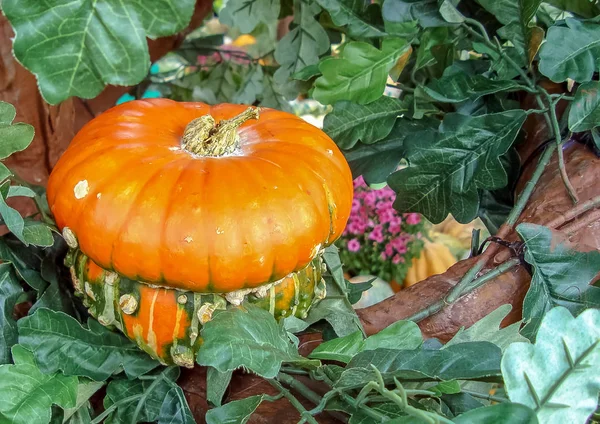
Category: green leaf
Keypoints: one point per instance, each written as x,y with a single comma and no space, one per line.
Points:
375,162
517,16
460,87
426,12
341,349
236,412
557,376
10,291
571,52
175,409
401,335
447,167
78,47
251,87
351,14
216,385
462,361
13,137
302,46
27,394
335,308
355,290
59,342
221,82
273,95
14,191
249,337
360,72
460,403
555,281
585,109
149,395
488,329
85,390
247,14
349,122
446,387
586,9
431,38
502,413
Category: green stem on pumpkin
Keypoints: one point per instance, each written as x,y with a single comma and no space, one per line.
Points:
205,137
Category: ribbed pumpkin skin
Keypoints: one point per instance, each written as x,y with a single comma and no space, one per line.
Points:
166,323
144,207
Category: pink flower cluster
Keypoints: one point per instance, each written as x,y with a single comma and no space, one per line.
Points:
373,217
376,232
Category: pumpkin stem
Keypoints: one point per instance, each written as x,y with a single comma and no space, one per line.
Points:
204,137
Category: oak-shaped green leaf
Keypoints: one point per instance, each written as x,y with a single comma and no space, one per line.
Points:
517,15
13,137
460,87
10,290
360,73
273,95
571,52
235,412
335,308
86,388
175,409
375,162
561,275
401,335
247,14
27,394
250,88
302,46
585,109
502,413
488,329
216,385
557,376
59,342
27,231
426,12
147,396
349,122
75,48
352,14
246,336
447,167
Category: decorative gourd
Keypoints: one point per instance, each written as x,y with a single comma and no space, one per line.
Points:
435,259
199,199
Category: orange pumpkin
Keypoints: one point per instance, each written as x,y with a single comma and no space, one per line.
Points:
205,199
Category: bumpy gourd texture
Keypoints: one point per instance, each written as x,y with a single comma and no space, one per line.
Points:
165,322
162,237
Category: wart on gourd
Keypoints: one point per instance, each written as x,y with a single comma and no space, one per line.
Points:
149,291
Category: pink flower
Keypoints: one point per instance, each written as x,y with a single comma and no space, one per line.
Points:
383,256
397,259
377,234
395,228
359,182
355,205
413,218
389,249
354,245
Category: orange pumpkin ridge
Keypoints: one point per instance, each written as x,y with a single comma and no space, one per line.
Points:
141,205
